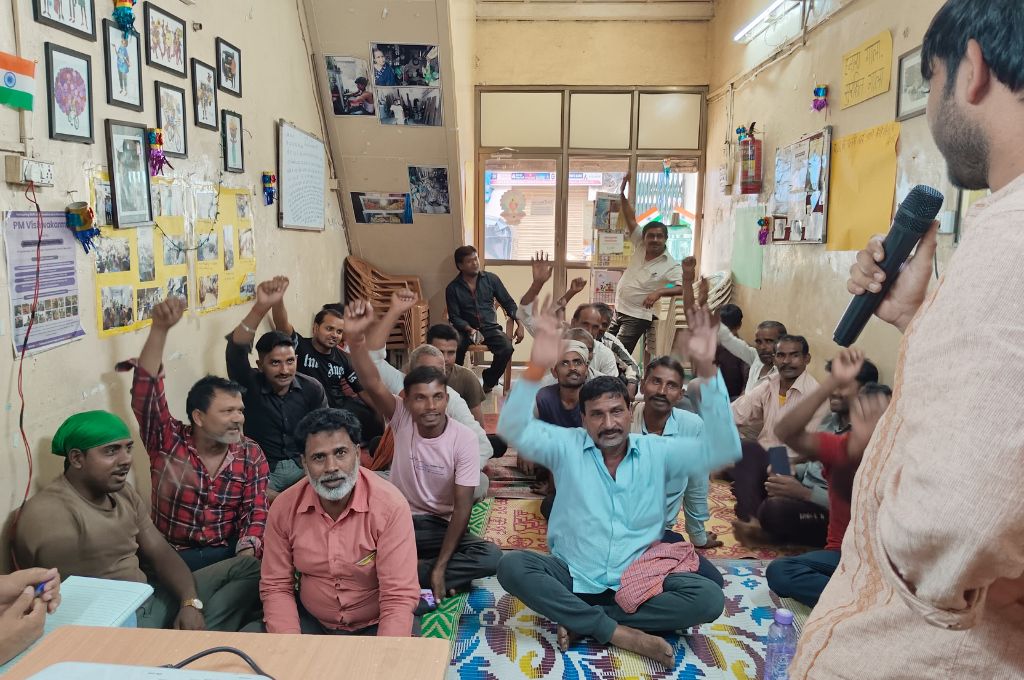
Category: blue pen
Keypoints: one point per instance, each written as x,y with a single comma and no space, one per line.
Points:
40,588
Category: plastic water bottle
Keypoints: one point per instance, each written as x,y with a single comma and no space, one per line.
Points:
781,646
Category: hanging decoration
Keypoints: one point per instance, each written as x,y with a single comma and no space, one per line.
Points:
124,16
157,159
820,101
81,220
750,156
765,224
269,191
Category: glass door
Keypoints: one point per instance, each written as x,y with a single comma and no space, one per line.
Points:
519,206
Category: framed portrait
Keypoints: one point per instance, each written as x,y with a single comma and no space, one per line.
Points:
128,163
170,117
69,94
124,67
77,17
231,133
229,67
912,93
204,95
165,41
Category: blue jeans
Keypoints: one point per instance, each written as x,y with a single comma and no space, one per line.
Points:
803,577
197,558
285,473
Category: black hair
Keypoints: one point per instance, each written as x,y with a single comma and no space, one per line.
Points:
654,225
666,362
362,81
599,387
329,420
271,340
876,388
333,309
732,315
424,375
462,252
774,324
799,339
868,372
997,25
442,331
201,394
606,311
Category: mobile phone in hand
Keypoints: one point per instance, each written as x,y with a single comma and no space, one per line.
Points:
427,595
778,457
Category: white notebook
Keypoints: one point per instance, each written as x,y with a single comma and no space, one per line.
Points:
103,671
93,602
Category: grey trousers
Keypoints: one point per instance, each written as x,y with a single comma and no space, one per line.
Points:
629,330
544,584
473,558
230,591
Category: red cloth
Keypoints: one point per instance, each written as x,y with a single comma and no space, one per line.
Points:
838,471
192,506
645,578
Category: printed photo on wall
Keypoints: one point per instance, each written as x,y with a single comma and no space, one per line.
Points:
247,288
147,299
397,64
246,248
381,208
113,255
209,291
231,134
118,309
409,106
174,250
69,94
170,117
165,41
204,95
912,97
207,248
229,67
147,263
177,286
348,79
124,67
229,247
429,189
127,158
77,17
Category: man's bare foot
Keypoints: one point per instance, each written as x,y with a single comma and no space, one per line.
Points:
750,534
644,644
566,638
711,543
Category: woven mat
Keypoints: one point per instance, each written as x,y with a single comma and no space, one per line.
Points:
500,639
506,479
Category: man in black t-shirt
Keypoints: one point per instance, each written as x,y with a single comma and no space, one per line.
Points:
320,357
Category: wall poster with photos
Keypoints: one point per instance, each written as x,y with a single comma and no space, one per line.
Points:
128,163
166,47
123,55
229,67
77,17
204,95
170,118
69,94
407,84
232,146
226,254
348,81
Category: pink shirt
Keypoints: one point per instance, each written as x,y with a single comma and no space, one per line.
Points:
760,407
355,571
427,470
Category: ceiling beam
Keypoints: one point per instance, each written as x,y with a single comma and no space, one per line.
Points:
567,10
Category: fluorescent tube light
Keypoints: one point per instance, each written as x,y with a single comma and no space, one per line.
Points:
747,30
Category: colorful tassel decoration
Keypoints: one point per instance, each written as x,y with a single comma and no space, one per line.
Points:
157,159
820,101
80,218
762,234
124,16
269,192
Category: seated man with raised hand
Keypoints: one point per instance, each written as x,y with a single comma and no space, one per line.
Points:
276,395
597,579
348,534
804,577
208,480
436,466
91,522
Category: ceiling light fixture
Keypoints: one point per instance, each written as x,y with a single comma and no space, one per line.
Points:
750,31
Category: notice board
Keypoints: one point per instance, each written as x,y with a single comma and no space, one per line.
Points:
301,178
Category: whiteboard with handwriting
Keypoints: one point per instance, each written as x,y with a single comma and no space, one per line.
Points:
301,177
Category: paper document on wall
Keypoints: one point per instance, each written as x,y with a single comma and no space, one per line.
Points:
867,70
863,186
610,243
747,253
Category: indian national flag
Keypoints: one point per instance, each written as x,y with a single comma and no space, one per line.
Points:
19,81
652,215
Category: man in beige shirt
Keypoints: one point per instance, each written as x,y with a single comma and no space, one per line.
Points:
931,582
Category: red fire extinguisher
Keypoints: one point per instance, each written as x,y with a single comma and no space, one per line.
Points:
750,153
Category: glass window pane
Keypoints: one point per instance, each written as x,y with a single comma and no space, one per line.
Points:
588,176
669,120
519,207
521,119
599,120
666,190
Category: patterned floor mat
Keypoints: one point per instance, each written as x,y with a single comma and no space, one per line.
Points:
500,639
506,479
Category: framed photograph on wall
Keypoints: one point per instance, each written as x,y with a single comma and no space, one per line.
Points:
204,95
912,93
229,67
124,67
170,117
165,41
77,17
231,133
69,94
128,162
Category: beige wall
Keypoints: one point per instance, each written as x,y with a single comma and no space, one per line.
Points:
591,53
463,179
77,377
805,286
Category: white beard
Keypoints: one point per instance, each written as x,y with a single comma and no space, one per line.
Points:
335,494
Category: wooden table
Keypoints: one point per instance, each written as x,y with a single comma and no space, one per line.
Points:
286,657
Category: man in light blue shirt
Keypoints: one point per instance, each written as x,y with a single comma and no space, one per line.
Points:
610,508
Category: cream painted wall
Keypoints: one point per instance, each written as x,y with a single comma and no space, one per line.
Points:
591,53
277,84
463,37
805,286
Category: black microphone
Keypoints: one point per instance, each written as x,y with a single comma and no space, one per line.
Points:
913,219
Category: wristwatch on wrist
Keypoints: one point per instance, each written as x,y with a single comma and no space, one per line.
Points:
195,603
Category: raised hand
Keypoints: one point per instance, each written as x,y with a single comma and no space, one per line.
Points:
269,293
359,317
547,337
403,300
689,266
624,185
168,312
577,285
865,412
846,366
542,267
699,342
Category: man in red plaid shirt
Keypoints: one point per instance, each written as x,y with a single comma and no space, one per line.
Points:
209,480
